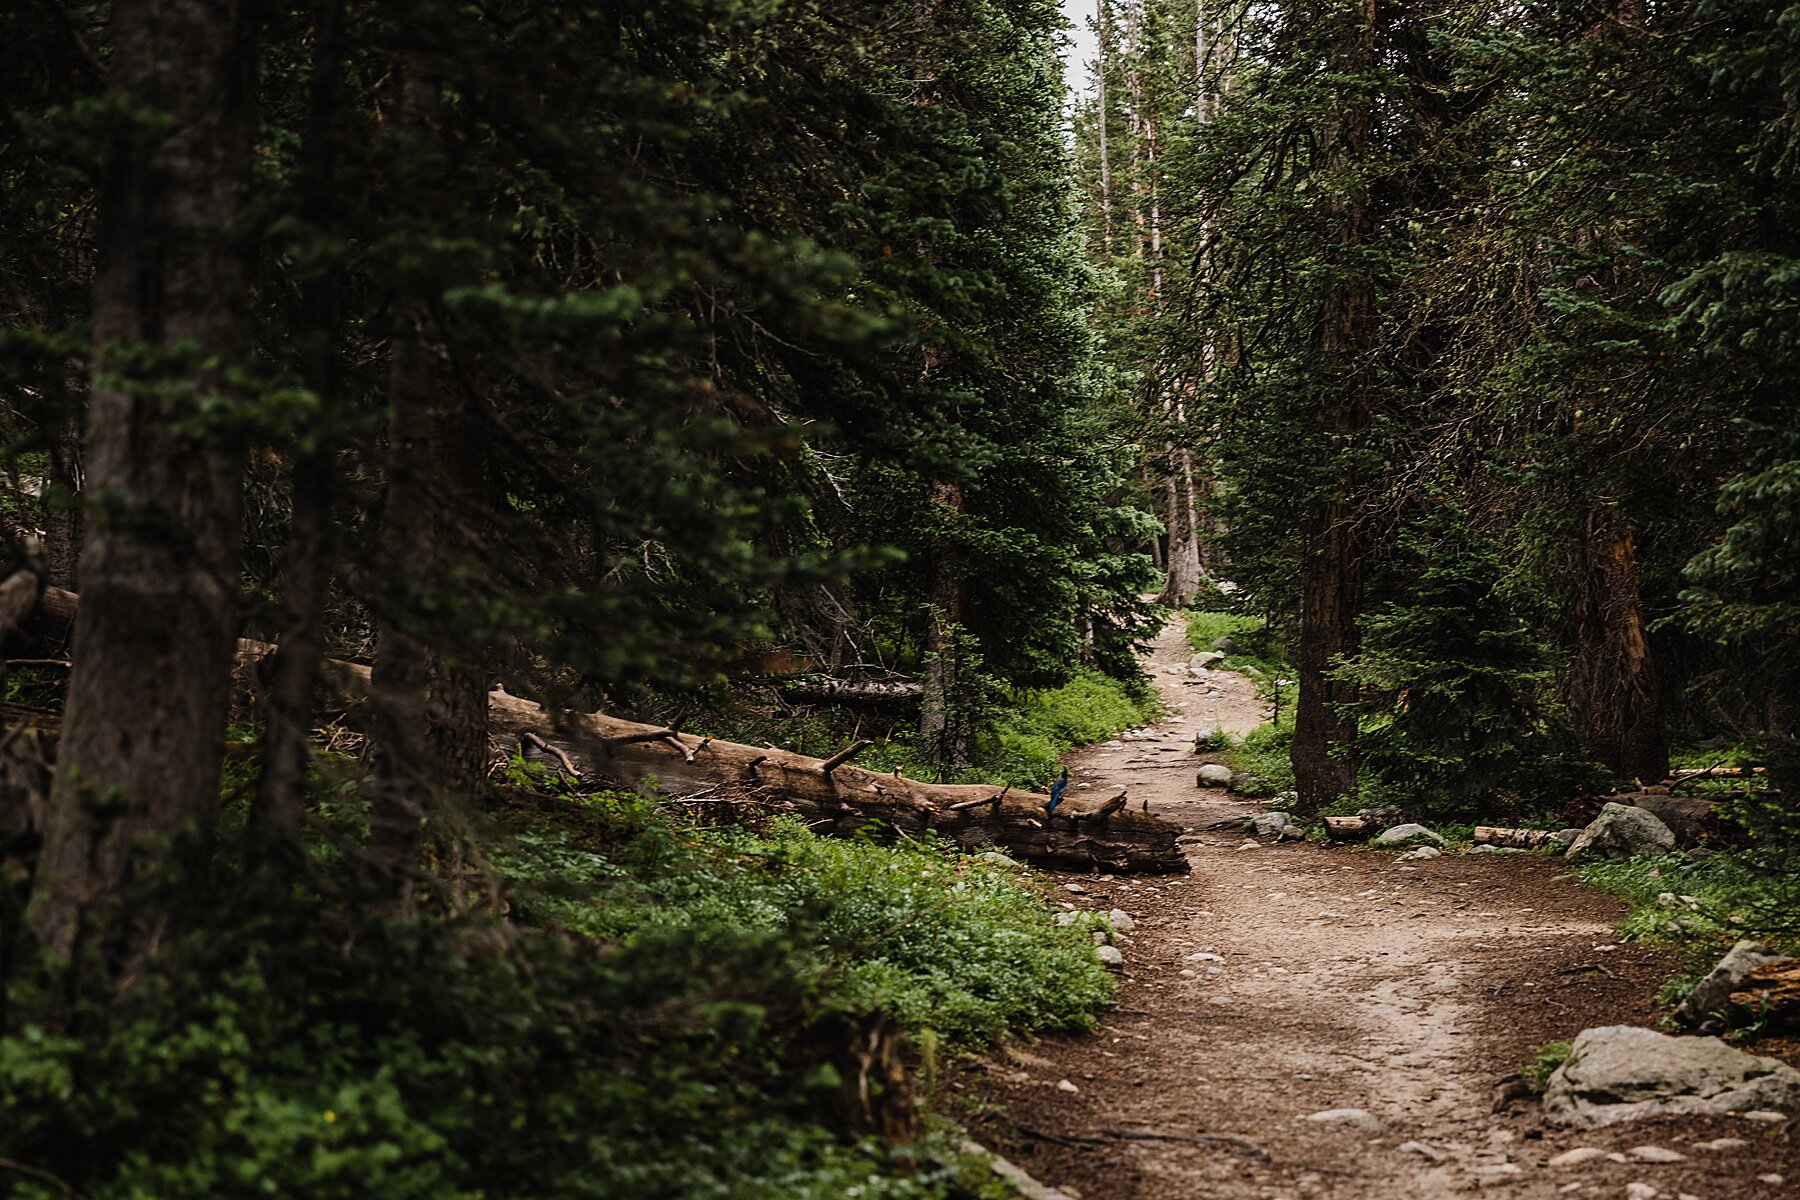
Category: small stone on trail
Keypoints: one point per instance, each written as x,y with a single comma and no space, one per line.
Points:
1422,1150
1722,1144
1216,775
1203,956
1066,1086
1577,1156
1074,888
1360,1118
1771,1177
1266,824
1656,1154
1763,1116
1251,845
1121,921
1495,1170
1421,853
1109,955
1640,1191
1571,1187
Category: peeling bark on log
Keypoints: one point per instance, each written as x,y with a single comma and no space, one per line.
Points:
854,692
1771,991
1521,839
1343,829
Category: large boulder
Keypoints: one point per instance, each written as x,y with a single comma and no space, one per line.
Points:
1622,831
1400,835
1713,993
1623,1072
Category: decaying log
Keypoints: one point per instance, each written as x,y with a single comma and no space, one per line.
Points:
1771,991
855,692
1522,839
848,798
1344,829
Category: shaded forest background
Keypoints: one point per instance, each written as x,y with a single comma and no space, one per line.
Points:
792,371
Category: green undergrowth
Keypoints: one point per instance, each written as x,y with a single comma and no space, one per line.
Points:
1696,907
622,1005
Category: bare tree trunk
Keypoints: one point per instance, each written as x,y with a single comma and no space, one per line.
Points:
1331,588
941,731
430,703
293,672
1106,221
151,686
62,515
1615,697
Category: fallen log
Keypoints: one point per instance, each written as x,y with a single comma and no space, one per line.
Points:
1345,829
846,798
864,692
834,795
1771,992
1520,839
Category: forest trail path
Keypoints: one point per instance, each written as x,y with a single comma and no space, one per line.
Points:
1289,979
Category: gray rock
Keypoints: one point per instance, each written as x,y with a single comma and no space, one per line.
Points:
1495,850
1295,832
1356,1118
1564,837
1269,824
1399,835
1109,955
1070,917
1225,645
995,858
1577,1156
1713,993
1206,660
1423,852
1386,814
1622,831
1623,1072
1121,921
1213,775
1423,1151
1246,784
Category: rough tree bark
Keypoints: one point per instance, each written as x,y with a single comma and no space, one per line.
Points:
149,694
1614,694
293,671
62,518
941,732
430,709
1331,587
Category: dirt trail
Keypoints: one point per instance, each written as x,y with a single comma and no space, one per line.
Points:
1283,980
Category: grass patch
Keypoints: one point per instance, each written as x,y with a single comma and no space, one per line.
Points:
1700,906
1545,1061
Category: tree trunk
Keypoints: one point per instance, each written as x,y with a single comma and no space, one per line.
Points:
1615,696
150,691
62,515
1330,599
942,734
1182,582
430,711
1106,221
1331,588
293,672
